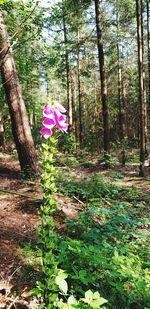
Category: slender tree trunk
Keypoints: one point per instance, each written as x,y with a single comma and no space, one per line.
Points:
119,92
74,126
121,98
148,47
141,86
68,76
124,146
79,96
102,76
19,120
75,110
144,90
148,44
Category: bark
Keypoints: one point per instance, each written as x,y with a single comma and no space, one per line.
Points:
19,120
102,76
74,113
144,90
121,96
119,90
79,96
68,76
148,47
148,44
75,109
141,86
123,116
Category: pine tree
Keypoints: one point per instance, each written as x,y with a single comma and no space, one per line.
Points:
19,120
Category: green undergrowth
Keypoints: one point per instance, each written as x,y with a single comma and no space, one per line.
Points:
107,248
103,254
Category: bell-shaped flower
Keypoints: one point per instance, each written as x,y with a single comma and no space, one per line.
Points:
49,123
46,133
60,107
48,111
60,120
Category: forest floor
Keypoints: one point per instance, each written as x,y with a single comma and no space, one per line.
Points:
19,203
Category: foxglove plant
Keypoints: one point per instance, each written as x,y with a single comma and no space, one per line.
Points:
53,279
47,289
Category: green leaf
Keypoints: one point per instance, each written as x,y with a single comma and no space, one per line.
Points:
61,282
94,299
89,295
72,300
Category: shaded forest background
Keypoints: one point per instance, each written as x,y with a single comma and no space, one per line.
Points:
93,57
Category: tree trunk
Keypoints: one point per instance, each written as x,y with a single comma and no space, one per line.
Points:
75,109
74,113
119,78
121,98
19,120
79,96
68,76
144,90
102,77
148,47
148,44
141,86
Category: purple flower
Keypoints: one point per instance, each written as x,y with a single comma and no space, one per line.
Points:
60,121
46,133
48,111
49,123
53,117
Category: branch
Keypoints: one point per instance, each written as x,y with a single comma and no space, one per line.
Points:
19,194
80,202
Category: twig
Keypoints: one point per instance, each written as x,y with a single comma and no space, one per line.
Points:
13,302
8,281
78,200
10,277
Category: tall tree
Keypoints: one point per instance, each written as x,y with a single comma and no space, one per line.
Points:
121,92
148,44
102,76
141,84
79,93
68,70
19,119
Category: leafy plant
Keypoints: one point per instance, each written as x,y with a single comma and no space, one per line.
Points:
91,300
87,188
46,288
102,250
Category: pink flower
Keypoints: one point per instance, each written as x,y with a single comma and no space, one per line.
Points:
46,133
49,123
60,121
48,111
60,108
53,117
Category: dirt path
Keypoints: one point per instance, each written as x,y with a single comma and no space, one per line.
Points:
18,222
